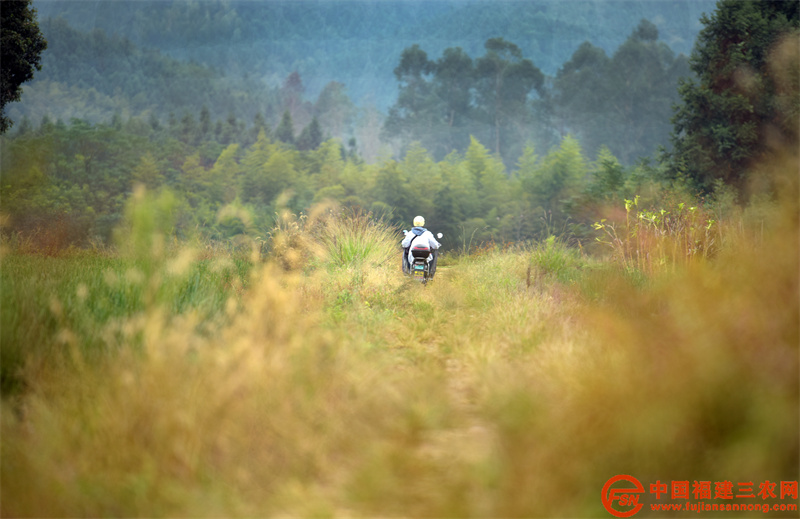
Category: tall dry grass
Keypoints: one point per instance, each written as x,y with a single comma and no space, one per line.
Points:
654,240
330,385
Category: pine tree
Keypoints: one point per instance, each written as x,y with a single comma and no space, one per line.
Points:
731,114
259,125
488,174
285,130
335,110
147,172
189,130
311,136
205,124
558,177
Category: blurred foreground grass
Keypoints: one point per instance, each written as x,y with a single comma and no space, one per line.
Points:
174,382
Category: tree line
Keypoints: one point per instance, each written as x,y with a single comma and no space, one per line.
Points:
347,41
77,177
92,75
623,102
469,162
502,97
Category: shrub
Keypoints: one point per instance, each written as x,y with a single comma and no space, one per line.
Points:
653,240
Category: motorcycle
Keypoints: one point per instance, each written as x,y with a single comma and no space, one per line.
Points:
422,255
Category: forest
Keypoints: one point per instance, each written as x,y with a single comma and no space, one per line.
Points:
336,60
358,43
68,184
486,164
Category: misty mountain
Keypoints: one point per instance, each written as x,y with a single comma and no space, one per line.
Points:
358,43
242,64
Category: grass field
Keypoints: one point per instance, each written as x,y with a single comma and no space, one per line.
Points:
174,380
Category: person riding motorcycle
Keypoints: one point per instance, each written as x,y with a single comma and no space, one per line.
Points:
416,235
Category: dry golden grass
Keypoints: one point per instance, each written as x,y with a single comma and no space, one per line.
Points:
343,389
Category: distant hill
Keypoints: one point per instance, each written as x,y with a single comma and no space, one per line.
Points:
358,43
241,63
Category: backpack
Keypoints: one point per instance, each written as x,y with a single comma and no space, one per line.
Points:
417,231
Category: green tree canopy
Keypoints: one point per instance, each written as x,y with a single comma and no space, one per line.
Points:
21,45
413,116
731,111
452,83
632,92
311,136
558,177
285,130
441,103
504,81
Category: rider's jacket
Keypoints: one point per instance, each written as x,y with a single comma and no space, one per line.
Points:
417,235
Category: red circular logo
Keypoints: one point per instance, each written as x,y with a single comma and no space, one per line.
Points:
628,498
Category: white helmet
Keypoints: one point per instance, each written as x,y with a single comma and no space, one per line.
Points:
419,221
